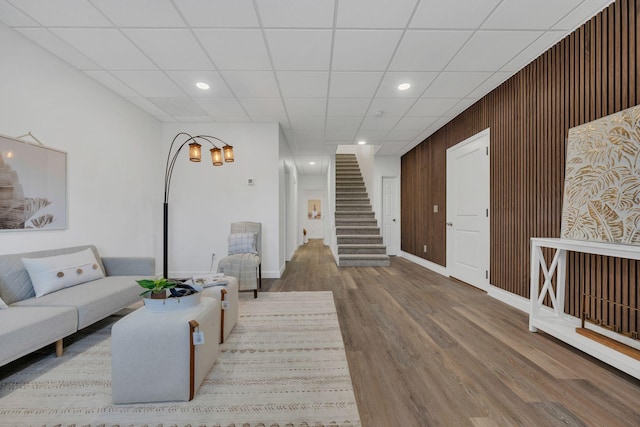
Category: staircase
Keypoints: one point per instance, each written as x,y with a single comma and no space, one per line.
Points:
359,239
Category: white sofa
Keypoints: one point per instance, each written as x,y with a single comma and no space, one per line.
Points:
30,323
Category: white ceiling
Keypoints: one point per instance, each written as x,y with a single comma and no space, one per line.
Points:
326,70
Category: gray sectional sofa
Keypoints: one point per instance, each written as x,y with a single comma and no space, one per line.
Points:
30,323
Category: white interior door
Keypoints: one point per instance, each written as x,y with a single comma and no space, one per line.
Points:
390,217
468,210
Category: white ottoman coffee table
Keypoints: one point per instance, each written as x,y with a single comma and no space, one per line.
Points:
229,310
154,357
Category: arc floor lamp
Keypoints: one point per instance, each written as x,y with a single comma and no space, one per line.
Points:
217,156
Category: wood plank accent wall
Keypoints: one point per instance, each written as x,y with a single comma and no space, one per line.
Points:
592,73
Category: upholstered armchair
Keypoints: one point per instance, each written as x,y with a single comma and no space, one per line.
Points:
243,260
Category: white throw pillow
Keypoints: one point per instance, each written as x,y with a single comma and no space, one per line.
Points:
51,274
242,243
3,304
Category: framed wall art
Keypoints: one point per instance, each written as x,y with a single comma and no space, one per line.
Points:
602,180
33,186
314,209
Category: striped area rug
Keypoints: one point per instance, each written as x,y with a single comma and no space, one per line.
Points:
284,365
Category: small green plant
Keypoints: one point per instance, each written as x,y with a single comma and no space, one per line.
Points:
155,286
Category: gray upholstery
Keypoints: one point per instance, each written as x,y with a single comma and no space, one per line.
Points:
30,323
15,284
94,300
26,329
245,267
128,266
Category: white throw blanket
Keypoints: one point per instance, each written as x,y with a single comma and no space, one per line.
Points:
244,267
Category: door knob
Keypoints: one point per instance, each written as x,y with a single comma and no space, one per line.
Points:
450,224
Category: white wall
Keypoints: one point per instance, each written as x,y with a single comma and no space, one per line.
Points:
312,187
205,200
114,171
288,203
385,166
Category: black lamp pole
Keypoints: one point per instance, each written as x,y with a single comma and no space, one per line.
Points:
194,156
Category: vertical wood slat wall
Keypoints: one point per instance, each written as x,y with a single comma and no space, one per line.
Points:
592,73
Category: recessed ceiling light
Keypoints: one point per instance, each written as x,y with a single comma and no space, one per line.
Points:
202,85
362,142
404,86
312,163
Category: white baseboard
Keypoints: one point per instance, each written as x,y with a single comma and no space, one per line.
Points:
516,301
426,264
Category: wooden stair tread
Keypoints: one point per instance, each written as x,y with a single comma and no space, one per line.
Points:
610,342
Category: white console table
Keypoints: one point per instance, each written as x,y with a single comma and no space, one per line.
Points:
553,320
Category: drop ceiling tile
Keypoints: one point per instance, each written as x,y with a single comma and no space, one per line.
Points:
179,107
390,106
461,106
391,149
252,84
452,14
581,14
419,82
529,15
364,50
150,84
112,83
351,123
347,106
306,106
282,120
354,84
339,134
491,83
192,119
218,14
14,17
379,123
414,123
455,84
221,106
150,108
106,47
435,47
296,13
299,49
431,107
505,45
263,106
307,123
63,13
371,136
127,13
305,135
187,80
401,135
303,84
235,49
59,47
171,49
534,50
374,13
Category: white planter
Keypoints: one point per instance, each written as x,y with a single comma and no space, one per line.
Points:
172,304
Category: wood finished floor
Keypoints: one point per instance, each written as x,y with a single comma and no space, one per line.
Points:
425,350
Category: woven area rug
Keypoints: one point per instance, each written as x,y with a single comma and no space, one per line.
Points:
283,365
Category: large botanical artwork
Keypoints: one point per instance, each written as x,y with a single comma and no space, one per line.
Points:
602,180
32,186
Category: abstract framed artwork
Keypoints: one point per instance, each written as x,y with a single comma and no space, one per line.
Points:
33,186
314,209
602,180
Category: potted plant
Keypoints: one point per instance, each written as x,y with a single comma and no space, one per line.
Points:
156,288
